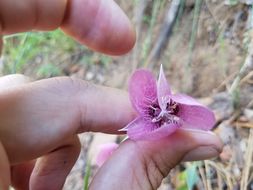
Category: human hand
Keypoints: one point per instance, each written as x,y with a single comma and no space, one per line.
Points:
41,119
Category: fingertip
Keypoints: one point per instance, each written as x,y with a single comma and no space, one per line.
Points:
101,25
202,153
203,138
206,144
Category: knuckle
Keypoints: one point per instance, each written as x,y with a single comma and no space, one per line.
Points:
74,86
152,169
79,92
154,173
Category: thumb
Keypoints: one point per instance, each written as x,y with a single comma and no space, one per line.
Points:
143,164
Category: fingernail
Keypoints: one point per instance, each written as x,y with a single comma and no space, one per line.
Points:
202,153
197,131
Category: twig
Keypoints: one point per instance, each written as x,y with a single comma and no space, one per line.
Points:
165,32
203,176
195,22
250,104
247,78
147,42
188,78
247,66
225,82
138,15
234,116
208,182
219,180
248,63
248,160
243,124
223,172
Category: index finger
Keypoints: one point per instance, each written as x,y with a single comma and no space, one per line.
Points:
99,24
50,111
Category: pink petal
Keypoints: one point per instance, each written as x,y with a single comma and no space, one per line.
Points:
198,117
105,152
139,129
184,99
163,89
194,114
142,90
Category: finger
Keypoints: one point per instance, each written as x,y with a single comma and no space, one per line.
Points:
143,164
50,171
18,16
20,175
101,25
56,109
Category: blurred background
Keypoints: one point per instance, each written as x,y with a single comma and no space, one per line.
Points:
206,48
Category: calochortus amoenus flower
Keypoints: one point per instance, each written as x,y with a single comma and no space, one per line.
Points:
160,113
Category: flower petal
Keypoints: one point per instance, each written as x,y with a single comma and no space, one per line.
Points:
140,129
163,89
184,99
142,90
197,117
105,152
194,114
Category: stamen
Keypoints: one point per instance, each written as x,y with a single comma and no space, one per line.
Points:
172,107
165,116
153,107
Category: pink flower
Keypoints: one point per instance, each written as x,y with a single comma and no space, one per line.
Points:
105,151
160,112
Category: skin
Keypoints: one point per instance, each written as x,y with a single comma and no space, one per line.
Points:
40,120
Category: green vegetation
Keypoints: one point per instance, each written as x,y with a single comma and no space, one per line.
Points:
87,175
24,48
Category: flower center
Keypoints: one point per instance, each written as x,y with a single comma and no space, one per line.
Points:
168,115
